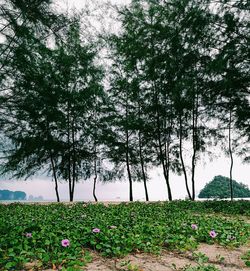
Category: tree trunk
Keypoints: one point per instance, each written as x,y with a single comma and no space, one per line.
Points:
69,156
127,153
128,169
182,161
156,103
55,177
95,180
195,138
231,155
167,152
162,156
74,174
70,192
52,163
73,188
167,163
165,173
193,174
143,169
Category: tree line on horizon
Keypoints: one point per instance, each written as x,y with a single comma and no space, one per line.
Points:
166,88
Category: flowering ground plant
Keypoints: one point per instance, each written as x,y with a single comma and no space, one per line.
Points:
53,236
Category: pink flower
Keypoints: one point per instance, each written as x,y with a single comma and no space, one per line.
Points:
213,234
96,230
194,227
28,234
65,243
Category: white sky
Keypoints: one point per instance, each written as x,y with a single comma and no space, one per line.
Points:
119,191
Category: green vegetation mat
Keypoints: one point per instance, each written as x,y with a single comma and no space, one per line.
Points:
63,235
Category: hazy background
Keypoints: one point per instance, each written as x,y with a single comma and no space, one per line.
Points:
205,171
119,191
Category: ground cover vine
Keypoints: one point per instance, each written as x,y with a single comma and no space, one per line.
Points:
62,236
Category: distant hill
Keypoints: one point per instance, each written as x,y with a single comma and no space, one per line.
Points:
33,198
219,188
10,195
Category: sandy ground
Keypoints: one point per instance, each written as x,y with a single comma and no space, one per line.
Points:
224,259
167,260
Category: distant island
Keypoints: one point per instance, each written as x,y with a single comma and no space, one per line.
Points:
219,188
12,195
33,198
18,195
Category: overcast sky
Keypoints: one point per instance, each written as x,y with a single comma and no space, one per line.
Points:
119,191
206,170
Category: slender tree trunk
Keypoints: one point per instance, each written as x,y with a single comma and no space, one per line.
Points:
182,160
128,168
231,154
127,153
95,180
73,188
193,174
96,155
144,176
167,151
143,169
167,158
70,188
69,155
55,177
162,156
162,159
195,138
74,175
52,163
165,173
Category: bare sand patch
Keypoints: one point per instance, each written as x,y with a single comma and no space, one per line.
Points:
223,258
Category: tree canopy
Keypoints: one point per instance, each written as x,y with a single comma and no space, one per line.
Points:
168,87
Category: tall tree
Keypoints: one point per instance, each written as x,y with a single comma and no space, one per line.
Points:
163,43
230,72
49,105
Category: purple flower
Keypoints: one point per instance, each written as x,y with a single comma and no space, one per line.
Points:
65,243
194,227
213,234
96,230
28,234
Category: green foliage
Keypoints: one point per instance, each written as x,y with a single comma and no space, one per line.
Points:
200,268
219,188
136,228
246,258
201,259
